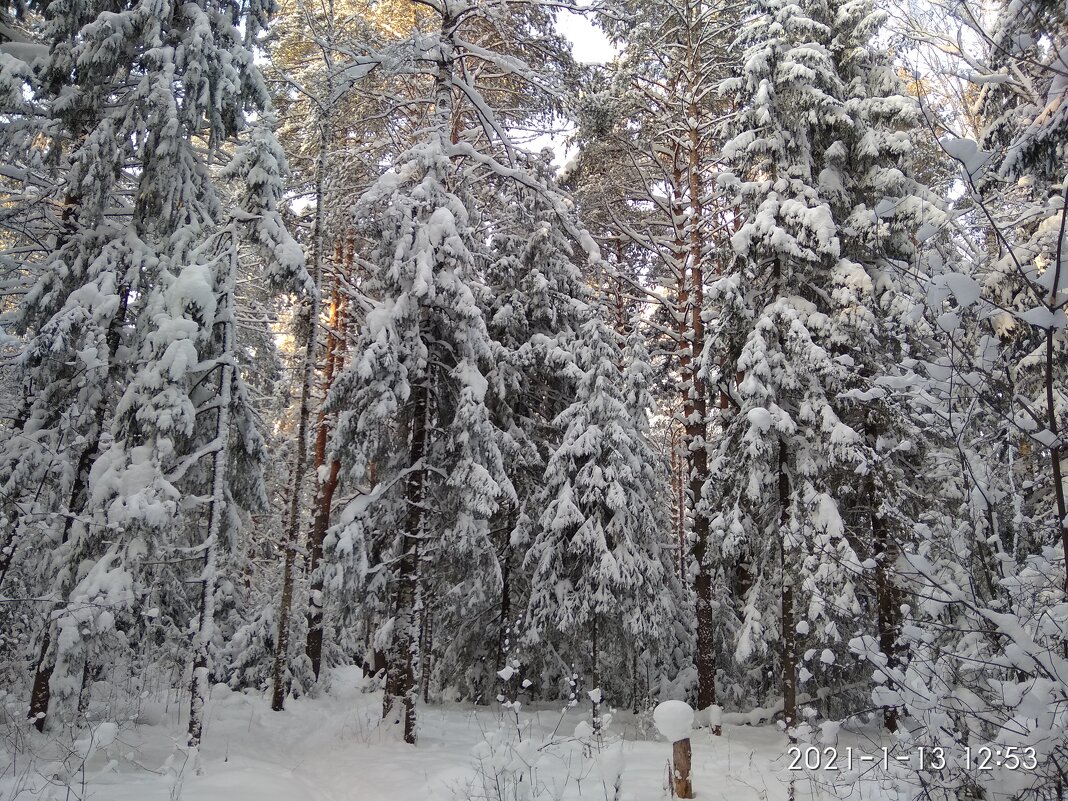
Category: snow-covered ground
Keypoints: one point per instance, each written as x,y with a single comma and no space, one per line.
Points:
333,748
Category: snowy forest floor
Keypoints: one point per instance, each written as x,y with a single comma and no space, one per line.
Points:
334,748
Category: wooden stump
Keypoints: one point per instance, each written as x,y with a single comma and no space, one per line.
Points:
681,768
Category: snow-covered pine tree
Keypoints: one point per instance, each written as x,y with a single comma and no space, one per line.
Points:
599,555
417,370
873,189
674,54
787,247
668,657
257,167
185,457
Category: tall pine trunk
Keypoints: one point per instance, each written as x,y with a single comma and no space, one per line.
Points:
426,642
300,460
324,492
678,492
697,428
688,256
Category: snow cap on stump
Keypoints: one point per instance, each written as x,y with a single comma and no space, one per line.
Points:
674,720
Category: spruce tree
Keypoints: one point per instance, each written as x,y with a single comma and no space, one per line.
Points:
431,401
599,556
127,350
420,370
819,169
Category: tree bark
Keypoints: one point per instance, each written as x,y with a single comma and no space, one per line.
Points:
504,632
696,434
596,676
1055,453
678,491
681,758
789,634
887,595
400,675
1052,381
687,190
426,645
634,705
324,493
888,603
199,684
41,694
292,532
